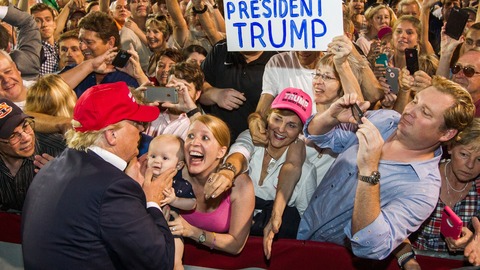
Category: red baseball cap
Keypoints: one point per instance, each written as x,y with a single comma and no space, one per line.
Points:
107,104
295,100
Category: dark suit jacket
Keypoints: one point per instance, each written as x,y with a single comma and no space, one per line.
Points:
29,45
81,212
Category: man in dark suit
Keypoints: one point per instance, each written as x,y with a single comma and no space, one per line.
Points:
82,210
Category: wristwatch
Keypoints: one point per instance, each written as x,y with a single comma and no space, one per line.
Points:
373,179
202,238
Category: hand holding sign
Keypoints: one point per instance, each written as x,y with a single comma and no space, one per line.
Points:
341,47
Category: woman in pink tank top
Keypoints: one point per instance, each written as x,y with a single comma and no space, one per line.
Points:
222,222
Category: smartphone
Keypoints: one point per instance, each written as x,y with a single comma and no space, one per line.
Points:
392,79
161,94
121,59
456,23
357,113
411,57
382,59
451,225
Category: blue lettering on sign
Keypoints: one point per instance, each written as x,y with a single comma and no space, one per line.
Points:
268,12
314,32
258,36
293,7
242,8
295,32
283,8
240,36
308,8
281,26
230,9
254,8
270,32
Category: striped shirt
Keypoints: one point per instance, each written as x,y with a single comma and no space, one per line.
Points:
13,189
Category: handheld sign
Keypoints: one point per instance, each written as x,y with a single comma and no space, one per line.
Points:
272,25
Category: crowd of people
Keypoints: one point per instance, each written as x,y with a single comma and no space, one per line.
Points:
353,145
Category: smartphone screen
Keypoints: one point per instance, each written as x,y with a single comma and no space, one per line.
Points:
161,94
382,59
451,225
456,23
357,113
411,57
121,59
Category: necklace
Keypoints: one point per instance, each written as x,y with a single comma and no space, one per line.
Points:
448,182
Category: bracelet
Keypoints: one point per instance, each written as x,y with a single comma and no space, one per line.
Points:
402,260
214,240
192,112
196,11
228,166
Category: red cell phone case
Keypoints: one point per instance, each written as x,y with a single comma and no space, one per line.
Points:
451,224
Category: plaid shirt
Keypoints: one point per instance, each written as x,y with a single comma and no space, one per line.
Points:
428,236
51,58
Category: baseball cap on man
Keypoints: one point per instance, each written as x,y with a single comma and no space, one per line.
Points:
106,104
10,117
296,100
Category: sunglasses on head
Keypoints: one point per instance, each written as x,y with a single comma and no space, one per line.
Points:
467,71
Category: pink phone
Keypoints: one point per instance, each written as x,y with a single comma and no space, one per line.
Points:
451,224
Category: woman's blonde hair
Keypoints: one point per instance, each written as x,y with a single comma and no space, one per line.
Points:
162,23
371,11
219,129
51,95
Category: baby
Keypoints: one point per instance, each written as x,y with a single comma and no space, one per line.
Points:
165,152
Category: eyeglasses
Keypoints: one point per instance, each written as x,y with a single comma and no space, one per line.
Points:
467,71
325,77
28,126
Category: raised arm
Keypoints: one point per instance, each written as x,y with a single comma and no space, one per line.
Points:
447,48
62,18
27,53
74,76
50,124
180,27
424,17
371,89
208,24
342,47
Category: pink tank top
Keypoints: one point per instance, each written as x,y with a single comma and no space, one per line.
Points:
216,221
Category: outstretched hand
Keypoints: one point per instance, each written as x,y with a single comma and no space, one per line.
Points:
472,250
272,228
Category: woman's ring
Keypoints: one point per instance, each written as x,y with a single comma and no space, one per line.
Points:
173,228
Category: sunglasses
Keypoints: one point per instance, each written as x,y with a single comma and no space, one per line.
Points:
467,71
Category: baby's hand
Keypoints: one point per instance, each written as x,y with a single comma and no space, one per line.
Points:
169,196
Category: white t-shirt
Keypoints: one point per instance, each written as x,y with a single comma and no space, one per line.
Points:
284,70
